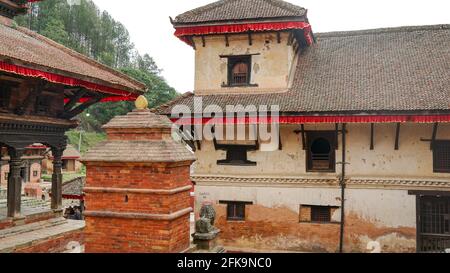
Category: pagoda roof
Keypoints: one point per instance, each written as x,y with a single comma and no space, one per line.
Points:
391,70
232,10
26,53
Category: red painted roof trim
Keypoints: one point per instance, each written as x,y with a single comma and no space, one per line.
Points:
321,119
183,32
117,94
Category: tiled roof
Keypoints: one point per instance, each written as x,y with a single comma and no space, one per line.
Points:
139,119
226,10
29,48
394,69
74,186
139,151
128,148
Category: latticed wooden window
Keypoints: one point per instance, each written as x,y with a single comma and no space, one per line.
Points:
441,156
239,70
320,214
240,73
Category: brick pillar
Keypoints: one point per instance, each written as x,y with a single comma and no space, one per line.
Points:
137,188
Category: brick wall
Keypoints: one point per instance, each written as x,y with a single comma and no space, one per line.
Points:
57,244
126,233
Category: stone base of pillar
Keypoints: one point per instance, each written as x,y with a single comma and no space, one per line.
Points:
208,242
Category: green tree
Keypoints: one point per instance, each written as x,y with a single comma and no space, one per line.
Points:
86,29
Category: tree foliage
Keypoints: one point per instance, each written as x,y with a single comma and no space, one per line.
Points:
96,34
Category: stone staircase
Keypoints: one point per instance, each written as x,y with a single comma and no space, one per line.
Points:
28,203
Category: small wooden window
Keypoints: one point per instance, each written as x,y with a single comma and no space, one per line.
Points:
237,156
6,176
321,153
316,214
320,214
239,70
441,156
35,173
235,210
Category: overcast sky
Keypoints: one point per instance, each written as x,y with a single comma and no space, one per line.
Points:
151,31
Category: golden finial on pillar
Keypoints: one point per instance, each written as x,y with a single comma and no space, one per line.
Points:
141,103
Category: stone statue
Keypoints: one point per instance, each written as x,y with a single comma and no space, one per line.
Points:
206,222
207,211
205,236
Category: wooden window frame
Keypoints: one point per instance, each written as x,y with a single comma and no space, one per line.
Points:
232,61
35,173
237,156
331,137
235,218
313,219
438,147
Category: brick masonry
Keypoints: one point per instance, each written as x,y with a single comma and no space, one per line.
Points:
136,203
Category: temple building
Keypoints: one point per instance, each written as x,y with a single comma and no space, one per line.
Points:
43,87
70,161
361,154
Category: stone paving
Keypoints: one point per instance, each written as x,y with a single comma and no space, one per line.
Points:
28,235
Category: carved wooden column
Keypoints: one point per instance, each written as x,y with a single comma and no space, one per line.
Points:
14,182
57,178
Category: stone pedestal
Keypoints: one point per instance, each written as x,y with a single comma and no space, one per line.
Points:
206,241
137,191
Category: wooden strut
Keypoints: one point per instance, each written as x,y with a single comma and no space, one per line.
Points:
227,42
78,110
397,137
203,41
372,140
433,137
250,41
278,37
75,99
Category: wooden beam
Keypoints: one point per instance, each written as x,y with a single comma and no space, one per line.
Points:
78,110
429,193
337,135
203,41
433,137
303,136
290,39
227,42
372,140
75,99
397,137
192,42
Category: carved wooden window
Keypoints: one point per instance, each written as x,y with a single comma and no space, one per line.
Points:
35,173
321,152
239,70
6,176
43,104
235,210
441,156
